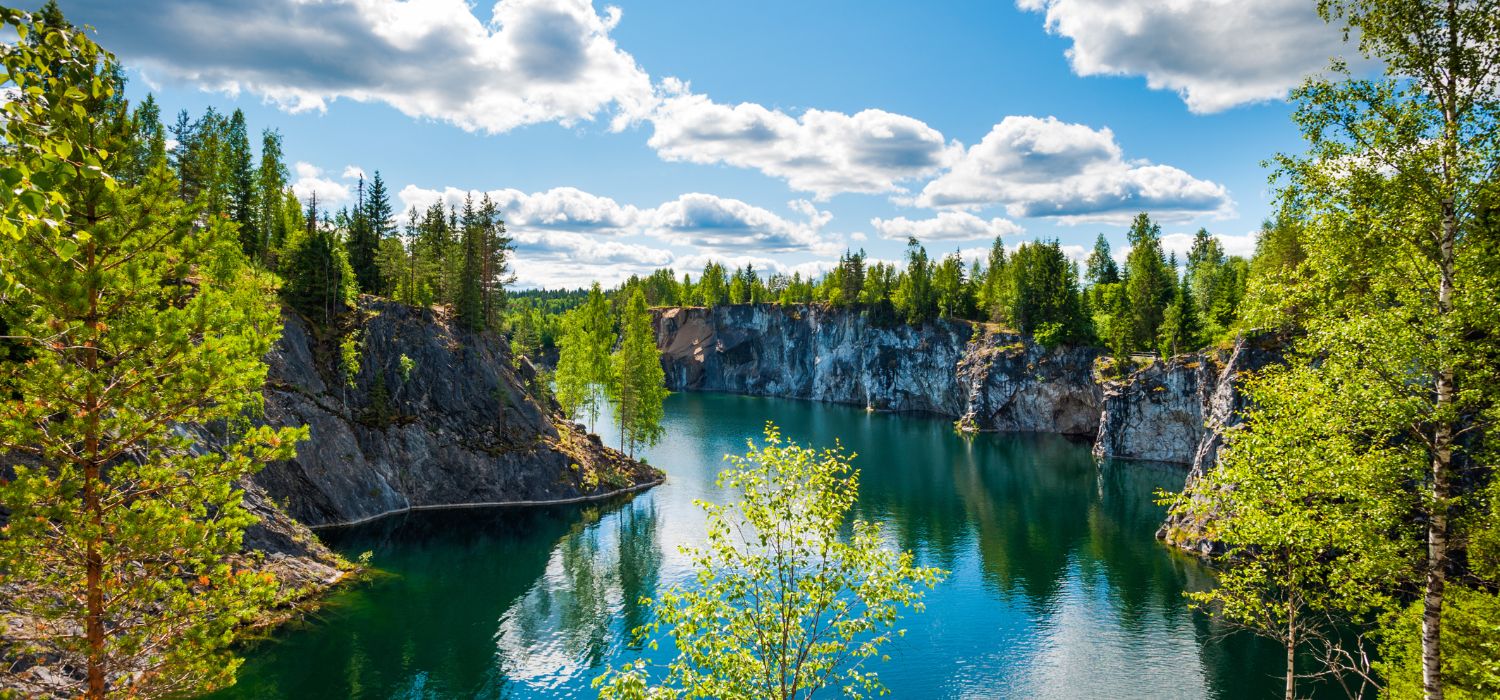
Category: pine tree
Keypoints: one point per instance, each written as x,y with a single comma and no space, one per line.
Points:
639,386
468,303
119,526
378,217
495,249
1101,264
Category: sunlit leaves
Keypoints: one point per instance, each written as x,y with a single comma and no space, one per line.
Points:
786,601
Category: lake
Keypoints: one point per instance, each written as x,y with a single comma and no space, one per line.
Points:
1058,588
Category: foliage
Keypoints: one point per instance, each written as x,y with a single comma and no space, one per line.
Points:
1149,285
140,315
783,604
1303,514
320,282
637,384
584,368
1385,257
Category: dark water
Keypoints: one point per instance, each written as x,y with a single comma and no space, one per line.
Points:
1058,589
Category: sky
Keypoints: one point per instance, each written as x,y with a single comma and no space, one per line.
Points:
623,137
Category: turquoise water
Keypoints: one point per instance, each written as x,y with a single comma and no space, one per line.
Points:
1058,588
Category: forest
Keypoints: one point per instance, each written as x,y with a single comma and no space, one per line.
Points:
1355,515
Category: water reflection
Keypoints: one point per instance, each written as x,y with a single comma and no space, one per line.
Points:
1058,588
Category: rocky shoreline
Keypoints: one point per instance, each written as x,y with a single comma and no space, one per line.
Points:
986,379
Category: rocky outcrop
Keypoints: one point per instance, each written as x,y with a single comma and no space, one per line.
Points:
1156,413
985,378
1223,411
1011,385
1177,410
435,416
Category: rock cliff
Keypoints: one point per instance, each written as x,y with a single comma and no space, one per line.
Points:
986,379
1223,410
434,416
1173,410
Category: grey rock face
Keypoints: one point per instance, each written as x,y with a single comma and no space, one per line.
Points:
459,428
1157,412
1224,410
988,380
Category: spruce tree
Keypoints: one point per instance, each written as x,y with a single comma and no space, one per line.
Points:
363,243
1101,267
468,303
240,177
319,280
119,524
378,218
1149,285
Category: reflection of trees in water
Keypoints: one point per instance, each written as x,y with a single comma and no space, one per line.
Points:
423,626
584,605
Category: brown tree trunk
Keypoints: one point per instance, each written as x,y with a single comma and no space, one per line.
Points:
93,556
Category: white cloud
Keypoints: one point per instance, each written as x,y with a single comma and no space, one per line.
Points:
531,61
946,226
821,152
557,209
720,223
1071,172
1215,54
703,221
1181,243
311,180
353,172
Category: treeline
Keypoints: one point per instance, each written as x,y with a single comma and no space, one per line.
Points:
442,255
1150,304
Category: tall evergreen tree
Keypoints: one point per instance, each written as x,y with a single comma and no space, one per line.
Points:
319,280
119,528
379,218
270,196
363,241
1149,284
1101,267
241,178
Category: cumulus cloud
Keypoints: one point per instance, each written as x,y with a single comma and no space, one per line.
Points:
1071,172
1181,243
946,226
821,152
310,180
1215,54
721,223
531,61
695,219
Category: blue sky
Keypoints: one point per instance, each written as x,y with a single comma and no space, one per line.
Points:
625,136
